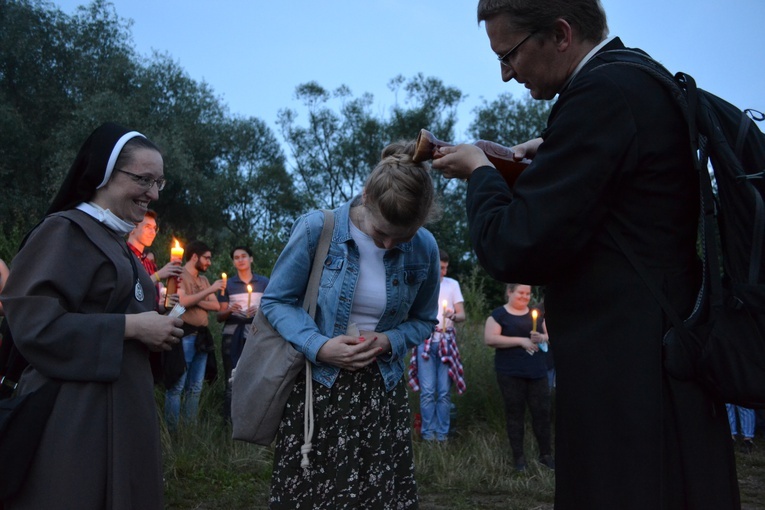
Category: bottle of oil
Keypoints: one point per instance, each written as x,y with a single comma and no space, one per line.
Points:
500,156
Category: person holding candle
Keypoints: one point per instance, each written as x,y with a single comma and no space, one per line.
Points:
612,159
91,330
521,369
236,314
380,277
142,237
198,296
436,362
176,259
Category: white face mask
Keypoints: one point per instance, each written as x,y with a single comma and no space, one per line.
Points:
106,217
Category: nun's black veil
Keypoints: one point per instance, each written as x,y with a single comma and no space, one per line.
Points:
88,169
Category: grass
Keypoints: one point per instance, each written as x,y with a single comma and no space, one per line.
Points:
205,469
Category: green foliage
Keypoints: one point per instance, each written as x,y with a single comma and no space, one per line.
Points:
61,76
205,468
431,105
509,121
336,150
229,181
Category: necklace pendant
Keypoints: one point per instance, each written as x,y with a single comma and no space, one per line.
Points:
138,291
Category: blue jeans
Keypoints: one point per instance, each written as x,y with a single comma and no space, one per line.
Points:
190,384
745,417
435,394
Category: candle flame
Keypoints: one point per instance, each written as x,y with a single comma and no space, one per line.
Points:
534,314
249,288
177,244
445,302
223,275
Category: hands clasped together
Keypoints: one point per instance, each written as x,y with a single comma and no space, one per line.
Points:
536,339
354,352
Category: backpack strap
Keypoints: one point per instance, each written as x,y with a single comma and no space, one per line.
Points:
683,89
710,254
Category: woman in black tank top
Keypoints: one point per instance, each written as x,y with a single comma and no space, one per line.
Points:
521,368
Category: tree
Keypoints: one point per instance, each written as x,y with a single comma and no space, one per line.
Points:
61,76
430,104
333,154
254,191
509,121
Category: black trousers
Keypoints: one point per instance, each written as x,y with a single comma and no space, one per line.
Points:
517,393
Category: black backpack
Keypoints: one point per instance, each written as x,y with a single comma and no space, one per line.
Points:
722,343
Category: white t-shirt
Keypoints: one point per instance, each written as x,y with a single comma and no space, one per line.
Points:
451,293
369,297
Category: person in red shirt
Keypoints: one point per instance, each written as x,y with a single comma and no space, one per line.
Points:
140,238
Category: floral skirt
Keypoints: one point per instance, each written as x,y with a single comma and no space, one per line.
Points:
362,447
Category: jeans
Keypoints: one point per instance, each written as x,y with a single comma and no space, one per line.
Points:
190,384
435,394
745,417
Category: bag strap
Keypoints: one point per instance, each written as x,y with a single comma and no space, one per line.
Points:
322,248
309,304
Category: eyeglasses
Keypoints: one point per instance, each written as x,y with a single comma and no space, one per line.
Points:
144,181
505,59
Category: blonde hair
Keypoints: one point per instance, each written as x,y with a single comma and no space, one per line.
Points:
400,189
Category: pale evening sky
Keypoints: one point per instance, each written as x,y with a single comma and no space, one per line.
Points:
254,53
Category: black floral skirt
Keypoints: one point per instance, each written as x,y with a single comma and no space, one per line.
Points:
362,447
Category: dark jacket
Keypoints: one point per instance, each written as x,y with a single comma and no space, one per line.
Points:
615,152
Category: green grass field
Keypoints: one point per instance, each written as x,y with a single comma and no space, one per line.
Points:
205,469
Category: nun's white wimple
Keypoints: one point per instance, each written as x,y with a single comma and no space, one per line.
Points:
115,153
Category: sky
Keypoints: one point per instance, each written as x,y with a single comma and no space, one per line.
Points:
253,53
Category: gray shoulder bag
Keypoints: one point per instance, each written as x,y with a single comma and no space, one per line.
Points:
269,366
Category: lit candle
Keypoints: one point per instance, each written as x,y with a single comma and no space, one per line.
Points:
534,315
176,256
224,276
176,252
249,295
443,314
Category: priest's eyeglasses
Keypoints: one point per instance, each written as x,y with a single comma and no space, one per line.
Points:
505,59
144,181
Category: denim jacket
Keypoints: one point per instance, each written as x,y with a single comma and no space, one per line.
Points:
412,274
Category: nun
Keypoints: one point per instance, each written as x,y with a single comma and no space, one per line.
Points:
81,312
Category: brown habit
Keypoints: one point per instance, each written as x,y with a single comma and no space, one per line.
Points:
101,447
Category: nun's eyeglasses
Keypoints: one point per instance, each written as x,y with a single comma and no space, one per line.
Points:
144,181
